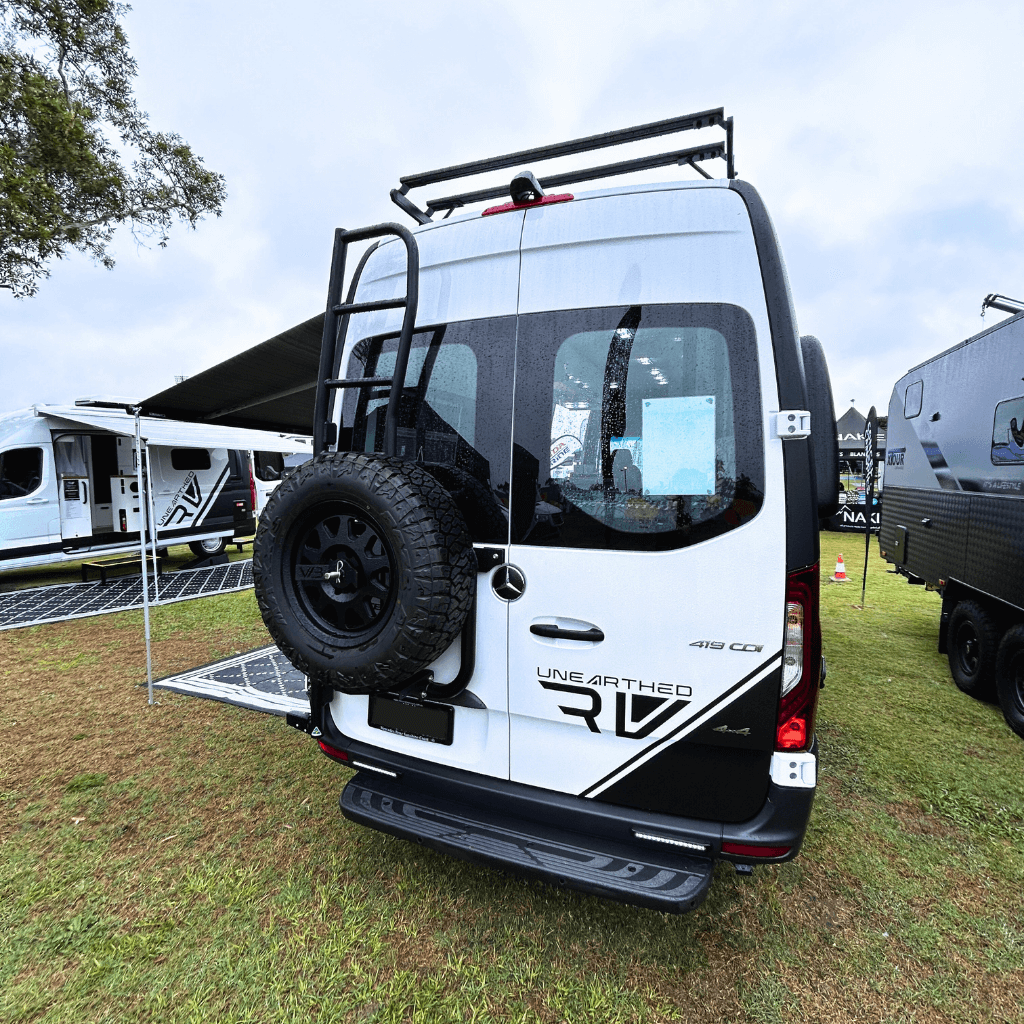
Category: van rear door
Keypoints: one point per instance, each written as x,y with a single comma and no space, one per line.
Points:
647,507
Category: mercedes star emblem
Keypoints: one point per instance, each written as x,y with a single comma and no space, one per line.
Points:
508,582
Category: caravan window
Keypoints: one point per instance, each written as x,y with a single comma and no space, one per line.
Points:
21,472
184,459
913,399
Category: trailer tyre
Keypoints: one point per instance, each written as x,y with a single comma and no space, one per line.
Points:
972,643
364,570
1010,678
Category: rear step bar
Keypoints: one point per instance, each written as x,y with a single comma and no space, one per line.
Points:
662,880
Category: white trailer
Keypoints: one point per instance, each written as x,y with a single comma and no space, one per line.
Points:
70,482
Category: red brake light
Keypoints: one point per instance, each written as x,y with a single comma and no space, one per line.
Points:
332,751
746,850
543,201
801,662
252,488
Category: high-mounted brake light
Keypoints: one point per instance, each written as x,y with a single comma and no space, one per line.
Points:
801,662
332,751
543,201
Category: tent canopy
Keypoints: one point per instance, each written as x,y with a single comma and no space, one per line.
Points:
174,432
271,386
850,427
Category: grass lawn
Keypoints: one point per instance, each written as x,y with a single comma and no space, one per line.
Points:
188,862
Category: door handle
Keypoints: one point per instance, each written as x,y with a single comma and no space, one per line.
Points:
557,633
37,501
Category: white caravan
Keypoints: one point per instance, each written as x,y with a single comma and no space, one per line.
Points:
553,571
69,483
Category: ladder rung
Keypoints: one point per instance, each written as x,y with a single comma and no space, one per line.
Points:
361,382
368,307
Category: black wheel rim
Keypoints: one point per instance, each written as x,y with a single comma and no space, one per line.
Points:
1016,669
342,569
968,653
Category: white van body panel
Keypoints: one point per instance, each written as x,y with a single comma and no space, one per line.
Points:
689,243
30,519
486,252
632,250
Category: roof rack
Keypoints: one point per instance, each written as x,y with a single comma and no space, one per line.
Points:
671,126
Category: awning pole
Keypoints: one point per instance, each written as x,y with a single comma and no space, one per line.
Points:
153,527
142,547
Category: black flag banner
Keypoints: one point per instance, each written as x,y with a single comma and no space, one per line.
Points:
870,469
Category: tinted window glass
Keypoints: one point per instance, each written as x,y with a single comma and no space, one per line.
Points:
455,414
184,459
636,428
269,465
21,472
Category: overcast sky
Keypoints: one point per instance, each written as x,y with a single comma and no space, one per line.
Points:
885,138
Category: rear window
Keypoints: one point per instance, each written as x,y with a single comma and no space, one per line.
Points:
184,459
636,428
455,414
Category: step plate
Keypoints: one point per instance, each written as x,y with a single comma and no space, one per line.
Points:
620,871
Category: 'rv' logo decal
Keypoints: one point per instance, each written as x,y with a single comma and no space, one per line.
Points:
185,503
637,714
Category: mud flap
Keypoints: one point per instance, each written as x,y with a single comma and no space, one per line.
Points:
611,868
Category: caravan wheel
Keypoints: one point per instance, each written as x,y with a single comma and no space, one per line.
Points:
972,642
1010,678
364,570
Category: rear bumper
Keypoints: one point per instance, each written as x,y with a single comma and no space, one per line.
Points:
590,824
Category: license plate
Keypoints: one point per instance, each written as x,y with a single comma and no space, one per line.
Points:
431,722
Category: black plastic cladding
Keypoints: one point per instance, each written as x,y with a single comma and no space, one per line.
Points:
801,486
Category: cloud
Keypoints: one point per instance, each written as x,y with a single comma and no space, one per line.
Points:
884,138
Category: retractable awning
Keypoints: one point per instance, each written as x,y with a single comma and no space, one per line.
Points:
175,432
271,386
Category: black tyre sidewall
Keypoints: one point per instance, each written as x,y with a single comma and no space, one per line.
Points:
1011,647
432,579
981,684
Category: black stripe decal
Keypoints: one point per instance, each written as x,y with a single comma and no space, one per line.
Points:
201,514
693,718
31,549
938,463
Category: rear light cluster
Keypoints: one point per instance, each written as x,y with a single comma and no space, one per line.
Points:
252,488
801,662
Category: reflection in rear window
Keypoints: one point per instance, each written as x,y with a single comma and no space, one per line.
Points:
636,428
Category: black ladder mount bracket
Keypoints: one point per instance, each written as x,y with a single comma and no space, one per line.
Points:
522,187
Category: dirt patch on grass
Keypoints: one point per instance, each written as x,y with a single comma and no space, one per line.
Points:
917,822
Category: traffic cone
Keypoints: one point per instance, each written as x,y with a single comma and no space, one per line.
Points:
840,576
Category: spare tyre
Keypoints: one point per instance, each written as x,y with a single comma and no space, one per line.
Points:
364,570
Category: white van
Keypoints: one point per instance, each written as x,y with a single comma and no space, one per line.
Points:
553,573
69,484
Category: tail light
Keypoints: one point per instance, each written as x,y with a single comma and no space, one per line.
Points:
252,488
334,752
748,850
801,662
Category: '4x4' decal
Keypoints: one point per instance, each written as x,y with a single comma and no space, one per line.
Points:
646,713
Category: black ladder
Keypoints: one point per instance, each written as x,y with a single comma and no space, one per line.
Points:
325,432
